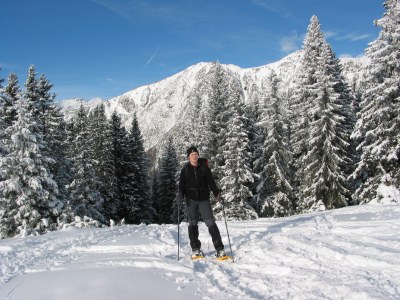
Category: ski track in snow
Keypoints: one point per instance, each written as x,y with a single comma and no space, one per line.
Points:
349,253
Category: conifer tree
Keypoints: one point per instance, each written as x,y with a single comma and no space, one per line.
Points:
219,114
251,119
345,106
28,187
124,201
194,127
320,174
236,173
102,154
86,199
142,211
167,184
51,123
45,102
32,96
2,121
275,189
3,125
258,161
378,127
11,95
56,145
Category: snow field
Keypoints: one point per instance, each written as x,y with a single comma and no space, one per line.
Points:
349,253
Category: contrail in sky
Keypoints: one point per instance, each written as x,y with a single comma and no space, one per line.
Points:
151,58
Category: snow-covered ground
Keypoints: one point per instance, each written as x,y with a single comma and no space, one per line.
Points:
349,253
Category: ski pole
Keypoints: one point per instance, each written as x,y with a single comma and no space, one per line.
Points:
179,208
226,224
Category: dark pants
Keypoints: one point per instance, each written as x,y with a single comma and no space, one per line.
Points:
193,208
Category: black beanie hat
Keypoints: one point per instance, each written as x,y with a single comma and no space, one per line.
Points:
191,149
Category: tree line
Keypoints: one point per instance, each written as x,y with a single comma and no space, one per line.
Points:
313,146
320,145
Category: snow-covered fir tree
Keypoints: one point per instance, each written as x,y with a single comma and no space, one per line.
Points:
218,116
11,95
51,122
378,126
344,106
124,201
251,120
236,173
32,96
86,200
167,187
275,192
142,211
194,128
322,183
45,101
101,153
56,140
2,124
28,187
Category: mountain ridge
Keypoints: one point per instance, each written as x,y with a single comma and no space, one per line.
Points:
160,105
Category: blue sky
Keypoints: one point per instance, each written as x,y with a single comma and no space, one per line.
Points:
104,48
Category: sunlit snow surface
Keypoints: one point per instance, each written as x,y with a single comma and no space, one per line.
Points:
350,253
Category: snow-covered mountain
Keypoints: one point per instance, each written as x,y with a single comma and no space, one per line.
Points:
161,105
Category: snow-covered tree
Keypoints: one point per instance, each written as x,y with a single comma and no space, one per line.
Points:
101,152
56,145
236,173
275,191
322,151
195,128
124,201
29,190
32,95
2,119
378,126
86,199
3,125
167,187
142,211
45,102
218,116
252,116
11,95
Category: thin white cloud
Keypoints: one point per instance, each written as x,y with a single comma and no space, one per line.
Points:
132,11
5,65
274,7
352,37
121,8
329,34
290,43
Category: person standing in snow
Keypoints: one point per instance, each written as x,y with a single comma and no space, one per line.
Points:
196,182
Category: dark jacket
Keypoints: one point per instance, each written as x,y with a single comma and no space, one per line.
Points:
196,182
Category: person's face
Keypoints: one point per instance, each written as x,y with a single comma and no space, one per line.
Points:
193,158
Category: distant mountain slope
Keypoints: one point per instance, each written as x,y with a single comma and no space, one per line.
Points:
162,104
